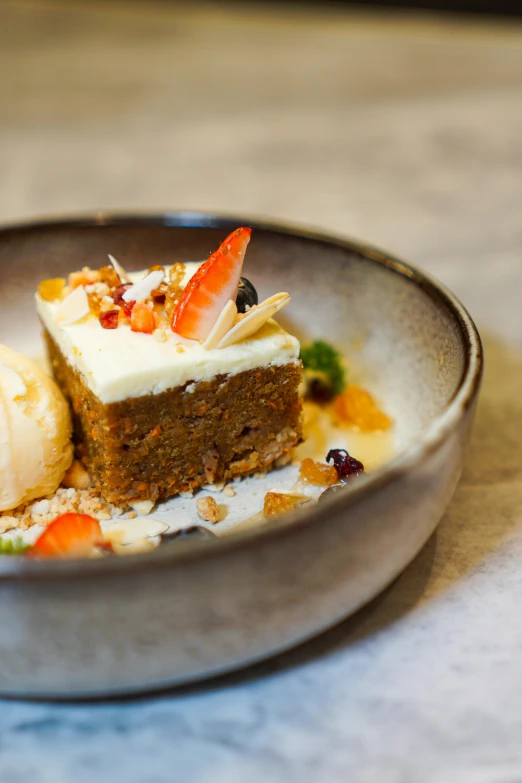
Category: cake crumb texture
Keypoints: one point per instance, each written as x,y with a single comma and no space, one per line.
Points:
159,445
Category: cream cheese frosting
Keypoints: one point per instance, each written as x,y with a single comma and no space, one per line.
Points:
118,363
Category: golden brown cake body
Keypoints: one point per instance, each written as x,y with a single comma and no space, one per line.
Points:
157,445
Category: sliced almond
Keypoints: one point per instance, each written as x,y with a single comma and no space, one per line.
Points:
224,324
74,307
143,289
142,506
130,531
120,271
254,319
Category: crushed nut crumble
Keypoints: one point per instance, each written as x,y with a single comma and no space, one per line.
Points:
208,510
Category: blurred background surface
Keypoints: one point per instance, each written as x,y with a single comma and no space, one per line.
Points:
403,129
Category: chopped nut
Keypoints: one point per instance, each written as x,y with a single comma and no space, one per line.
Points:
160,335
173,289
110,277
7,523
208,510
77,477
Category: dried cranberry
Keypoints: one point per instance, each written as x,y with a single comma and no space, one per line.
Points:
109,320
117,294
345,465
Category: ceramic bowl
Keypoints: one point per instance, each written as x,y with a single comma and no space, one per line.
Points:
186,612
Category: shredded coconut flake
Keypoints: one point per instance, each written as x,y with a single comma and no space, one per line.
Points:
143,289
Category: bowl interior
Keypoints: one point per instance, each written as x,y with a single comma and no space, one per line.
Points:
398,334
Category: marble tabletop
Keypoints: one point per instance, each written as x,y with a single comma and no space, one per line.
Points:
402,130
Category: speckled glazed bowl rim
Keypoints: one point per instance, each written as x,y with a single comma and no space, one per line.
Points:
430,439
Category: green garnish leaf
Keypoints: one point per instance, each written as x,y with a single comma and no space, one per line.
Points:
13,546
321,360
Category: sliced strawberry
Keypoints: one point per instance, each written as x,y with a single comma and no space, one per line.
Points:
127,308
142,319
211,287
70,535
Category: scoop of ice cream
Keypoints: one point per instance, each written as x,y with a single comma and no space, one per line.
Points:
35,431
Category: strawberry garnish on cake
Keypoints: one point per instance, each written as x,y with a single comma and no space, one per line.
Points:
69,535
208,291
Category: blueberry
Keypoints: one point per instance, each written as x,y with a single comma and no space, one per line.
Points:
246,295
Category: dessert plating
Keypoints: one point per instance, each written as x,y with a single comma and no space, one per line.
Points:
170,386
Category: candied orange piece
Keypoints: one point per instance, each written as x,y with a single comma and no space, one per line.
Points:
277,503
85,277
51,289
355,406
317,473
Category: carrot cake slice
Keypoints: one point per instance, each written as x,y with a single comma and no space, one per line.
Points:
176,376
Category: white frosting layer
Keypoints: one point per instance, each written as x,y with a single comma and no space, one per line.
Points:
117,363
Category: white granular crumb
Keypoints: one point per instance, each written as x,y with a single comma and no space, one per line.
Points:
188,494
100,289
237,479
179,348
229,491
64,501
261,474
41,507
7,523
107,306
131,515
